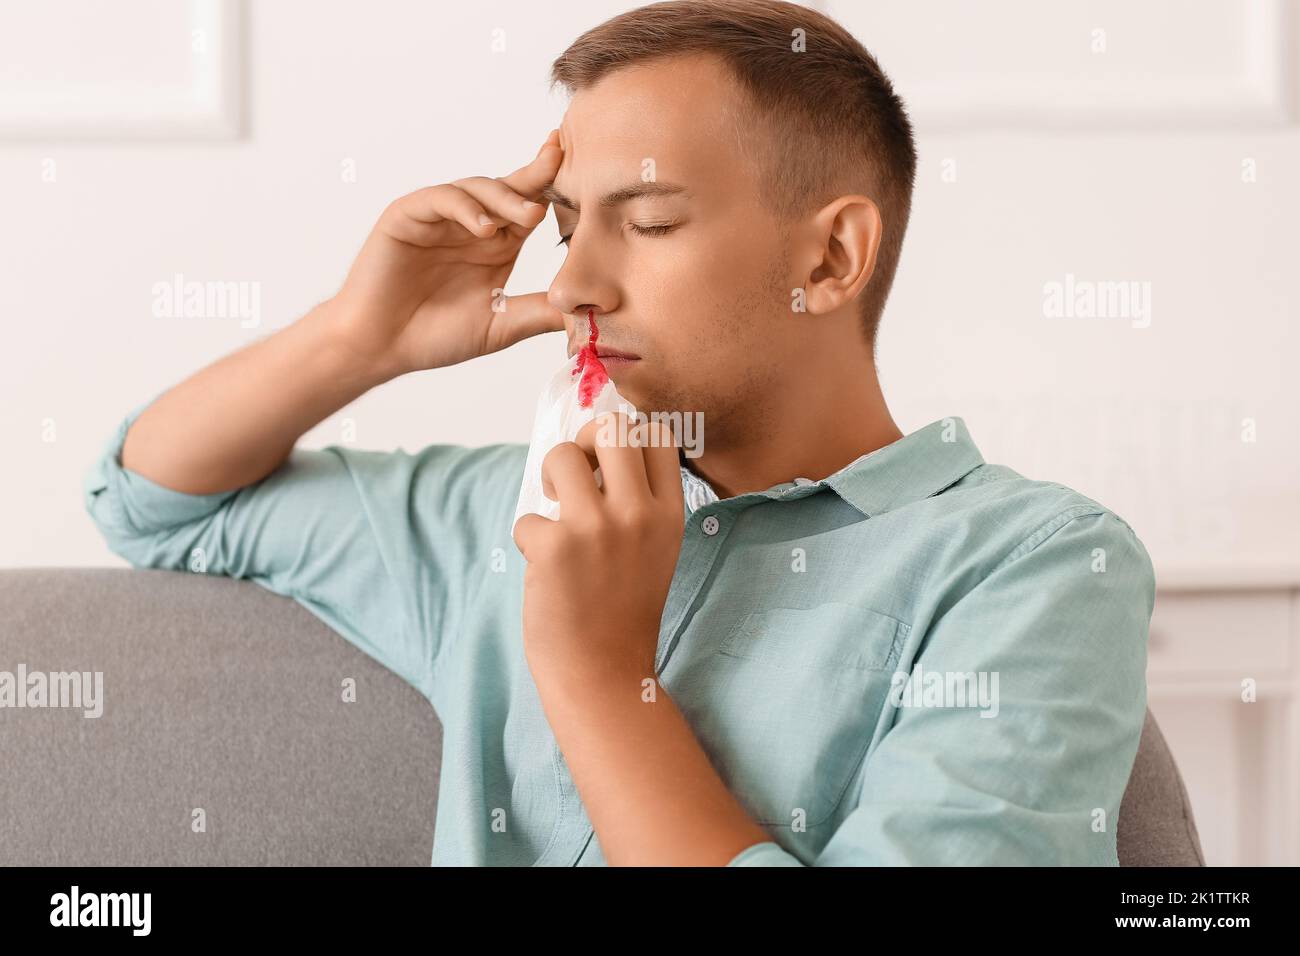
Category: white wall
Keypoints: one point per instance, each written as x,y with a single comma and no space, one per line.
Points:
1169,158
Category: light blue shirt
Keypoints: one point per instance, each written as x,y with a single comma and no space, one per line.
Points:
921,659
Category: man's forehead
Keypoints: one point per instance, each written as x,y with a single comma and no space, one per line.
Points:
643,123
675,103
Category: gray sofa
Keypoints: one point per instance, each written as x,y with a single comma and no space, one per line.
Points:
224,698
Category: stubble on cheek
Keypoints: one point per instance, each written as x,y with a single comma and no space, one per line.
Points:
734,373
760,323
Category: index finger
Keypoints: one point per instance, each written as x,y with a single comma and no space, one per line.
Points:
529,179
651,453
622,466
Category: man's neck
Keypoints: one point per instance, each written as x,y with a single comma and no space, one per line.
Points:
836,420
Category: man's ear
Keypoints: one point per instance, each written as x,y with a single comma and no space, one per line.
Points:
845,239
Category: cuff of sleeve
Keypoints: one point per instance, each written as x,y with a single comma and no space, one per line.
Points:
125,504
768,853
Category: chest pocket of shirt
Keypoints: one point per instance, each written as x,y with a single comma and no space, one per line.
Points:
788,705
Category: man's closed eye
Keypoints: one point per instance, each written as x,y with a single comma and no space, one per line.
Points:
657,229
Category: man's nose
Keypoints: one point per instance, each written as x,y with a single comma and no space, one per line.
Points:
583,285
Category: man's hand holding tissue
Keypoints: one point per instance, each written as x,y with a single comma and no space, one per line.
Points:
597,578
594,592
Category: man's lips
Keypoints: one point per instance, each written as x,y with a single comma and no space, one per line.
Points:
604,352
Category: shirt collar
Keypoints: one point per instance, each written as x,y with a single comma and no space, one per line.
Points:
910,469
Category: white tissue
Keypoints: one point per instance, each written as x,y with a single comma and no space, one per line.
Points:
559,419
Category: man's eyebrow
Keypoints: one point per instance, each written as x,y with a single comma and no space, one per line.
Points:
624,194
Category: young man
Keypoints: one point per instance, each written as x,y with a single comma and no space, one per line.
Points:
821,642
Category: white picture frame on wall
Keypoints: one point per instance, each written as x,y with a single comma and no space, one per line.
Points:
191,90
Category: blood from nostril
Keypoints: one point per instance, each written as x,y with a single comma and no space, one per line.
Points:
594,375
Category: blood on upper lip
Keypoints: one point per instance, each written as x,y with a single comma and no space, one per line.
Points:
594,375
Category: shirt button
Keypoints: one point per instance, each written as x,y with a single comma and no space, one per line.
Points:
710,525
804,481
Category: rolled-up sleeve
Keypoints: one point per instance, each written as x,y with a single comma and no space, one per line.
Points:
1062,622
132,512
375,544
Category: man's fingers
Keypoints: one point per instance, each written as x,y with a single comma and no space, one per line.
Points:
528,180
502,202
622,464
480,204
568,477
522,317
431,213
528,530
641,450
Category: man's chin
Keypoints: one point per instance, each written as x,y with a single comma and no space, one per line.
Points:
640,398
